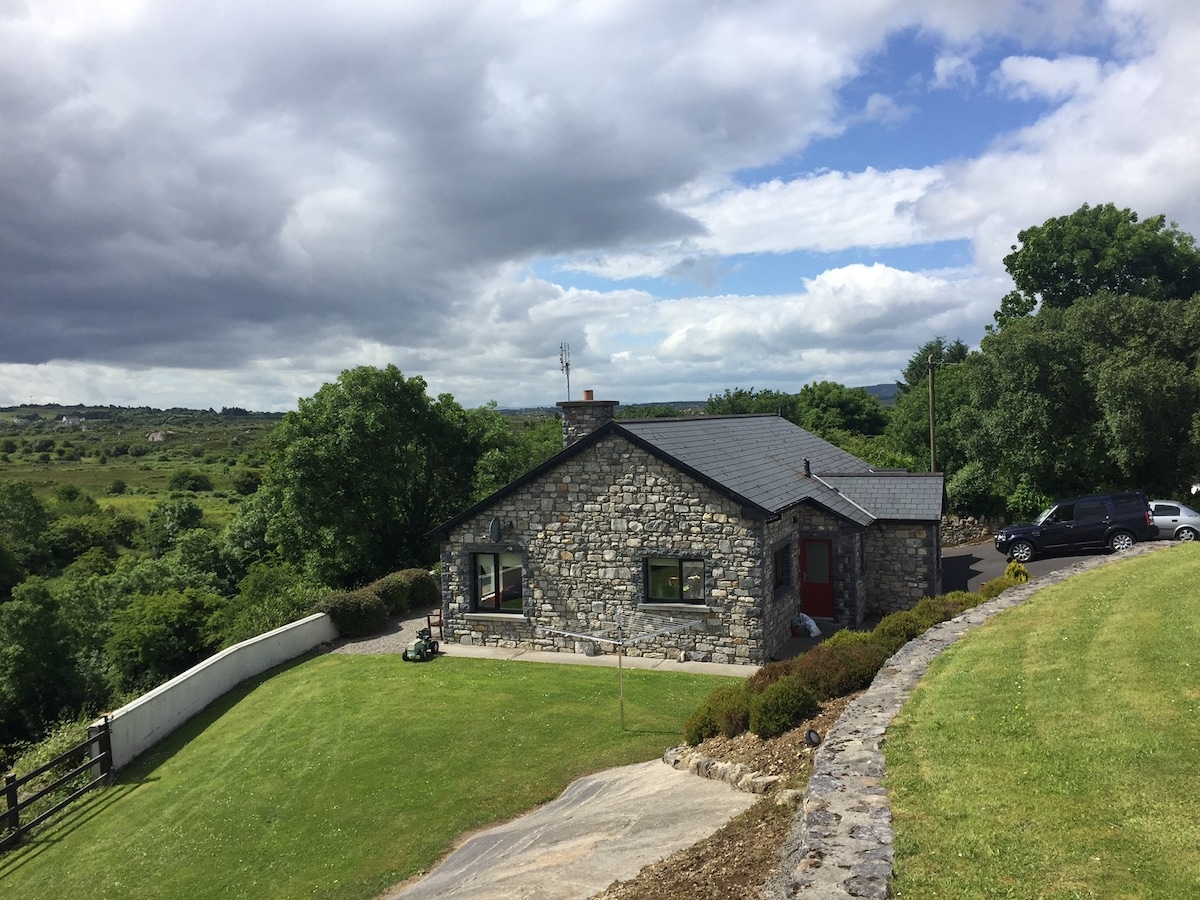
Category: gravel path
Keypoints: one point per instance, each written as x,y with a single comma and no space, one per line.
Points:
400,632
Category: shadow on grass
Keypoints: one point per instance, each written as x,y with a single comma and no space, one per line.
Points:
140,771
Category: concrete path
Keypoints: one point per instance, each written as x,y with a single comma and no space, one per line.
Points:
603,828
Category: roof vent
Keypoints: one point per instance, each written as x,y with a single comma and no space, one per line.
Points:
807,468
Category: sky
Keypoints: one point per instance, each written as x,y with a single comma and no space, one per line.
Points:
227,203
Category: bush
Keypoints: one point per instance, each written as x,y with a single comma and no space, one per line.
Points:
898,628
836,671
1016,572
356,613
187,480
997,586
726,711
158,636
407,589
847,637
781,707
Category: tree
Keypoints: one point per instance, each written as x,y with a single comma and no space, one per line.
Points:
363,471
168,519
511,446
908,426
1095,249
158,636
37,679
825,407
916,373
1103,394
23,522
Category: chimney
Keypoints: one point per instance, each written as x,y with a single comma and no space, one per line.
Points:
581,417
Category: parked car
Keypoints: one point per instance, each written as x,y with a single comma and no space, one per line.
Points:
1116,521
1174,520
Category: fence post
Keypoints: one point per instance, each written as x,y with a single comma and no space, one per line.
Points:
106,754
13,815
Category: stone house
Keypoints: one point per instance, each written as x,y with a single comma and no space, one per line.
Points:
726,527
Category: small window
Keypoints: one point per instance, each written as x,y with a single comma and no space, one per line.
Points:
497,584
674,580
1163,509
781,566
1064,512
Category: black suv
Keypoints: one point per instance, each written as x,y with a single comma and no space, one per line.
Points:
1116,521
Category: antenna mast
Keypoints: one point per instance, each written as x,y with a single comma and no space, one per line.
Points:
564,363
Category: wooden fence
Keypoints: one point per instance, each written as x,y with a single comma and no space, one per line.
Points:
99,762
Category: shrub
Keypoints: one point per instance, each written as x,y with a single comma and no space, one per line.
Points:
1016,572
407,589
847,637
991,589
781,707
116,486
187,480
725,711
835,671
899,628
356,613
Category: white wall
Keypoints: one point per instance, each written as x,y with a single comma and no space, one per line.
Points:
144,722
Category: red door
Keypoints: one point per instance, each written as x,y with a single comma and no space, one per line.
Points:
816,578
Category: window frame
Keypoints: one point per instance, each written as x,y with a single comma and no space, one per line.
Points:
498,570
652,563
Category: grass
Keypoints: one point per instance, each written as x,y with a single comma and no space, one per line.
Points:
342,775
1055,753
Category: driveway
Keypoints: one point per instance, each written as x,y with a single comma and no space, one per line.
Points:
966,568
602,828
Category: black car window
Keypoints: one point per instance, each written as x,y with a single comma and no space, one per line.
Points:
1063,513
1088,511
1163,509
1129,504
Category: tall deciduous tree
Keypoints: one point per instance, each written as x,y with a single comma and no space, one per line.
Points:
1095,249
1104,394
363,470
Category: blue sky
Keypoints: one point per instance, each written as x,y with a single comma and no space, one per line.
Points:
208,205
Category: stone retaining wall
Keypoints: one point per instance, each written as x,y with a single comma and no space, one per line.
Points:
840,845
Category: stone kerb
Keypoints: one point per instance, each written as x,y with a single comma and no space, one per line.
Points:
840,845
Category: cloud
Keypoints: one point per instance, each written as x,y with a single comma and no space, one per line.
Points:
215,204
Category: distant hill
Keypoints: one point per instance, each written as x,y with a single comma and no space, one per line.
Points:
885,393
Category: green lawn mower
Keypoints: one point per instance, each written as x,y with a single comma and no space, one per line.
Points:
422,648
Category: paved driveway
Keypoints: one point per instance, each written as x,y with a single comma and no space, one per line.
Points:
966,568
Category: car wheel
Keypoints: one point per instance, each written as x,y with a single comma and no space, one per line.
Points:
1122,540
1186,534
433,648
404,655
1021,551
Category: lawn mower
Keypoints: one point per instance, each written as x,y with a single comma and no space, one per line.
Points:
422,648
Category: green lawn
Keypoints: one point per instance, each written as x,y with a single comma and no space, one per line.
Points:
344,774
1055,752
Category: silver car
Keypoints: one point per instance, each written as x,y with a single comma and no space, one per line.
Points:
1174,520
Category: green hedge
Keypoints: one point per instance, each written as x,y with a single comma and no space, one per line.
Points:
782,695
356,613
407,589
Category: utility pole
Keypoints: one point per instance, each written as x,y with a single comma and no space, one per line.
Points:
932,418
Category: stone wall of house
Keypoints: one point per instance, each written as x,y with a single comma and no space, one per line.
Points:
903,564
584,530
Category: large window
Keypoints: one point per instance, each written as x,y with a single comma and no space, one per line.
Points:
674,580
497,583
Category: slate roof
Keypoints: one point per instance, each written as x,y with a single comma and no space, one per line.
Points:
761,459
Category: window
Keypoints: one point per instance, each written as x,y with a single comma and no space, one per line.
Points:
781,565
674,580
497,583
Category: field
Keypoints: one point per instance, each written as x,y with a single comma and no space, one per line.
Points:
109,453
